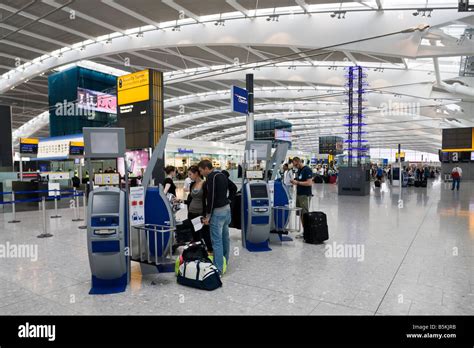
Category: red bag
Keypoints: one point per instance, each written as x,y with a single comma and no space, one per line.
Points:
332,179
455,175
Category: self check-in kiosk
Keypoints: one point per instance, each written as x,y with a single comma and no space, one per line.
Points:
257,215
107,218
107,240
256,208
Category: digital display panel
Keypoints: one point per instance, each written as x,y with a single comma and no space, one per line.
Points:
282,135
258,191
457,138
102,142
106,204
29,148
136,162
96,101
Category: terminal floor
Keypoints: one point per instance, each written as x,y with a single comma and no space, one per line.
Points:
418,259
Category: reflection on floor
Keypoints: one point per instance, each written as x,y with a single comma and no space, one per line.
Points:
418,258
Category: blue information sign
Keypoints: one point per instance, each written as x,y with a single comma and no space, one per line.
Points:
239,100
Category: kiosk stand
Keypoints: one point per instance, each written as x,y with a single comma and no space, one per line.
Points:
107,216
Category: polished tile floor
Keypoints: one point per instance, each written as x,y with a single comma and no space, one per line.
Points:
417,257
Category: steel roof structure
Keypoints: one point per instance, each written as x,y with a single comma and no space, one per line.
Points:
297,50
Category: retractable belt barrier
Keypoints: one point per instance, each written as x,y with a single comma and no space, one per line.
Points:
42,204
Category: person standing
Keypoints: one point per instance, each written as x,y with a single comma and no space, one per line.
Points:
169,186
456,175
287,176
304,184
196,203
218,214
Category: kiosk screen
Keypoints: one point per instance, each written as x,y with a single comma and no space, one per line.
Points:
258,191
106,204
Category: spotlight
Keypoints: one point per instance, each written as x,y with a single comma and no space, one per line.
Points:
219,22
273,18
416,13
82,48
333,14
108,41
176,28
139,34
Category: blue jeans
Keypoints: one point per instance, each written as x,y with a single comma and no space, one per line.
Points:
456,183
219,226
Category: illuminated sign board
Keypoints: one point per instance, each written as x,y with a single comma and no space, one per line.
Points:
29,145
134,87
96,101
76,148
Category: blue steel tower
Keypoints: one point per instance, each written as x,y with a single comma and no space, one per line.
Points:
356,84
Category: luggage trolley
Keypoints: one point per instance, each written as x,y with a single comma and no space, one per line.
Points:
155,243
286,220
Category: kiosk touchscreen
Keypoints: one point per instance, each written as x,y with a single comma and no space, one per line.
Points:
257,216
107,240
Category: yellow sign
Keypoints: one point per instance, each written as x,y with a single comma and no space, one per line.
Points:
77,143
401,153
29,140
137,79
133,88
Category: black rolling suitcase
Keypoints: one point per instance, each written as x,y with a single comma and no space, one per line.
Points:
417,183
377,183
315,227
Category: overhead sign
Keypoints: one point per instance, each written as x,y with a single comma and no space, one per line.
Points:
56,147
134,87
239,100
140,108
76,148
96,101
137,205
29,145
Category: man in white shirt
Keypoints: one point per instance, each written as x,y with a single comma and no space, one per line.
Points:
287,176
456,174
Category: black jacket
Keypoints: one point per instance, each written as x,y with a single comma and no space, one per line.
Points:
232,190
217,187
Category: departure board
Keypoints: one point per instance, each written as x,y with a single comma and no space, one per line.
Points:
457,138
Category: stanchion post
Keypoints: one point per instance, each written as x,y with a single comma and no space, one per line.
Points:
45,233
55,216
76,206
14,220
84,206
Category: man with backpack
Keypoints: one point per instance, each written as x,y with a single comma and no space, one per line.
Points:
456,174
218,214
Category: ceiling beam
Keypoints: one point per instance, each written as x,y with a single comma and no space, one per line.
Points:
24,47
182,9
46,22
182,56
217,54
303,5
129,12
302,55
84,16
379,4
238,7
33,35
350,56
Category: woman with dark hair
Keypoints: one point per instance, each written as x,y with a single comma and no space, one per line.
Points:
196,203
168,184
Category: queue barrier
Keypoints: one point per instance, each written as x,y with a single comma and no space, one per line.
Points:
42,204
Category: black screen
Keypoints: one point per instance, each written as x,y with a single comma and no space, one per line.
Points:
465,156
396,174
258,191
457,138
106,204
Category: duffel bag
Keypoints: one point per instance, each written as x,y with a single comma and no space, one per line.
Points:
199,274
195,251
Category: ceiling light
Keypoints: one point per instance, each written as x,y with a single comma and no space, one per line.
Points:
139,34
176,28
108,41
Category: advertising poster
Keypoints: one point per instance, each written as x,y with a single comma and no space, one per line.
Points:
137,161
137,206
